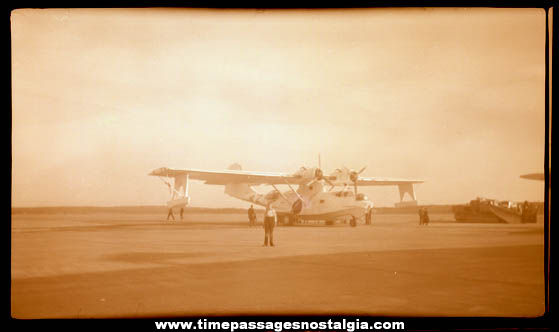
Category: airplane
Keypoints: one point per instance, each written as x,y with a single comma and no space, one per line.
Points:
535,176
311,201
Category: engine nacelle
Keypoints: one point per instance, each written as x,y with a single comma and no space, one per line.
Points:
340,176
272,196
307,173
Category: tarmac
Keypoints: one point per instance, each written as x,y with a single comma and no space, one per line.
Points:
125,265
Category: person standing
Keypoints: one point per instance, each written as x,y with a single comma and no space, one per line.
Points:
251,216
525,208
170,214
425,217
420,212
182,211
369,216
269,224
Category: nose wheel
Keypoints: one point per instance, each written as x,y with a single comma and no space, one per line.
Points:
353,221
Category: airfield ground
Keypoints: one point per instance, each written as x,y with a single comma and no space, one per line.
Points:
134,265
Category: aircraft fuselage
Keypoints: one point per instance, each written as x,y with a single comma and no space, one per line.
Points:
316,203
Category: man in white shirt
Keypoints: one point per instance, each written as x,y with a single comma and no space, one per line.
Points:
270,218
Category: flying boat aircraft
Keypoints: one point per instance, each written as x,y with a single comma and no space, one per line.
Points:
312,200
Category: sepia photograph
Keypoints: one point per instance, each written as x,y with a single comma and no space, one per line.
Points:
197,162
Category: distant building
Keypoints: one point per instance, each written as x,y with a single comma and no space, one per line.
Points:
405,204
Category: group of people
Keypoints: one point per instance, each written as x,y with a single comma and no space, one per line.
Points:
171,215
528,212
423,216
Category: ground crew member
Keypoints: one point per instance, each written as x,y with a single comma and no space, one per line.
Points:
525,214
425,216
182,211
251,216
369,215
269,223
170,214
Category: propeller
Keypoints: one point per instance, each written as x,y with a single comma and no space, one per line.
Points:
354,177
319,174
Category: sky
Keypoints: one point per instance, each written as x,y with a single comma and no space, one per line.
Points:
100,97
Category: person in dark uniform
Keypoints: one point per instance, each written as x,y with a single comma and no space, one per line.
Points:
420,212
269,223
525,211
251,216
425,217
170,214
182,211
369,215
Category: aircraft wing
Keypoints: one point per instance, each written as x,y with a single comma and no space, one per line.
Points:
385,181
229,176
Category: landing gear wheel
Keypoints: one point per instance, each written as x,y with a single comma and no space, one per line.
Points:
353,222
